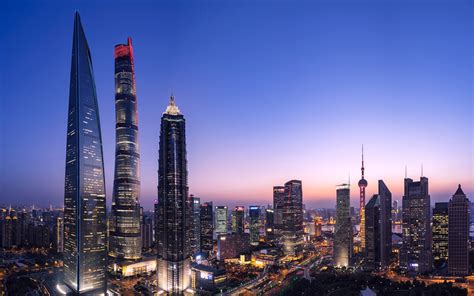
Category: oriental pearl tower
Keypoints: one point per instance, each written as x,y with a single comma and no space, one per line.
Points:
362,185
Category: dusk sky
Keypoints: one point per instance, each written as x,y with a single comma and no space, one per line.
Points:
271,91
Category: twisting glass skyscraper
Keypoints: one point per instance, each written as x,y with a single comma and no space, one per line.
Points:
84,197
174,205
125,238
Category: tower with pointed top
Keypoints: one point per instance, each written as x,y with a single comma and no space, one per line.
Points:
362,185
125,236
458,234
174,207
84,195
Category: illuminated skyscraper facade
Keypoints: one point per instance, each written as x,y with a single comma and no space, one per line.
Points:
254,225
125,238
238,218
292,218
278,204
269,223
362,185
207,227
84,197
174,205
196,233
415,254
458,234
221,221
342,249
440,233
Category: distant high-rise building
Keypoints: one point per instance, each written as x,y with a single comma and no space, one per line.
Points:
24,219
16,228
415,255
238,219
318,227
174,205
31,234
269,223
440,233
42,237
278,205
362,185
125,237
6,232
207,227
342,251
147,232
196,233
85,227
58,231
458,234
221,220
378,223
395,210
254,225
292,218
232,245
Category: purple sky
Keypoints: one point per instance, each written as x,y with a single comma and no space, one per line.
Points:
272,91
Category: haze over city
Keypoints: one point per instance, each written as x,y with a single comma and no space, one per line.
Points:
271,92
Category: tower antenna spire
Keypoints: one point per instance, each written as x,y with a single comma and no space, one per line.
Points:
405,171
421,169
362,185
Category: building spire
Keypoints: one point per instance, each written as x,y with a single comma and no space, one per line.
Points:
172,109
362,168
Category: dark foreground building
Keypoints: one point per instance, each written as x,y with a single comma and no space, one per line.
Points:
84,197
125,238
458,234
378,231
174,205
415,255
207,227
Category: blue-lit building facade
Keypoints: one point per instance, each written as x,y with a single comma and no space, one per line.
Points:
84,197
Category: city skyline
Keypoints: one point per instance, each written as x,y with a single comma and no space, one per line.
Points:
324,140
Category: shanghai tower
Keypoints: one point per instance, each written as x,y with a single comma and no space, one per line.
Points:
84,195
125,236
174,208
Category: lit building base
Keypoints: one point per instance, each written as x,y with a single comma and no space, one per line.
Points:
292,244
126,268
63,289
174,277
